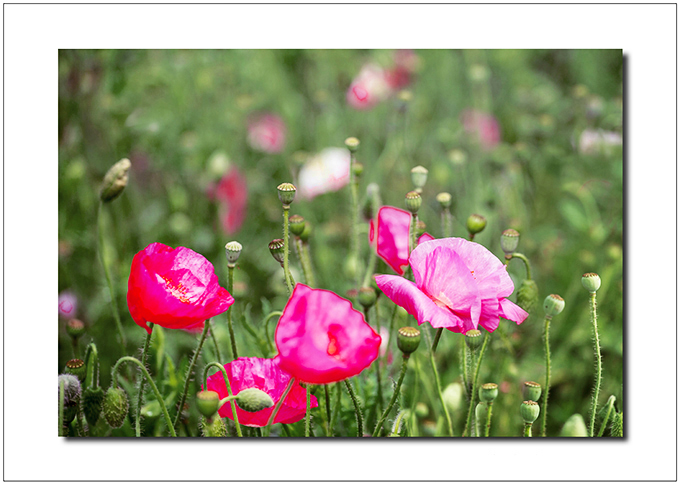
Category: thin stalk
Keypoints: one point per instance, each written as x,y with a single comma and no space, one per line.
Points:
370,268
306,270
92,363
412,233
229,393
307,263
354,216
546,338
527,430
279,404
446,222
465,354
488,419
395,396
266,328
61,408
378,372
439,386
286,249
526,262
468,424
357,409
217,350
336,408
437,336
230,289
308,412
114,383
327,402
140,394
598,355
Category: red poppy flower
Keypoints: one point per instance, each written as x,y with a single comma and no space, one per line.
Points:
266,376
173,288
389,236
322,339
232,195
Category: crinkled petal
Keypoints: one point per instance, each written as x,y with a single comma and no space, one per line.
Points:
393,237
512,311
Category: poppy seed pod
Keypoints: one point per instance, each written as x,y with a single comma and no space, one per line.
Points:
253,400
488,392
591,282
509,241
207,402
77,368
115,181
473,339
529,410
115,407
352,144
286,193
367,297
306,232
419,177
553,305
413,202
75,328
233,251
92,404
476,223
408,339
532,391
296,223
444,199
276,248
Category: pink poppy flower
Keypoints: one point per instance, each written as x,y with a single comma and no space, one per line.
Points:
483,126
459,285
68,304
267,133
265,375
389,236
173,288
326,172
368,88
232,196
405,64
322,339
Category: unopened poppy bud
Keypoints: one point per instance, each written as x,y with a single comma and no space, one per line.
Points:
306,232
591,282
419,177
71,389
233,250
421,227
527,295
207,402
286,193
75,328
529,410
473,339
532,391
115,181
488,392
352,144
574,427
367,297
115,407
253,400
408,339
276,248
413,202
213,428
296,224
553,305
77,368
444,199
92,404
617,425
476,223
357,169
509,241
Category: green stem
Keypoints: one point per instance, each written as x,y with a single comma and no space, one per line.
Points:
92,363
468,424
437,336
336,408
279,404
266,328
307,263
308,412
187,379
370,268
546,338
604,421
526,262
217,350
412,233
230,289
466,367
439,386
488,419
107,274
598,355
306,270
159,398
140,394
404,365
397,424
327,401
446,222
357,409
61,408
354,216
229,393
527,430
286,272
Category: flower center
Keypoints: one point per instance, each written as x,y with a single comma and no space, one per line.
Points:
333,348
179,291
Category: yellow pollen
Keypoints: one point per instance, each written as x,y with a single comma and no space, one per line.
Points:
333,348
179,291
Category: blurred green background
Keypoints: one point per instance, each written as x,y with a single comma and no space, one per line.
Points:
182,119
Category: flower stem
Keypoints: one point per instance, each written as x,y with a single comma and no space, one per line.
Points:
354,216
308,410
230,289
336,408
306,269
526,262
446,222
488,419
114,383
439,386
379,402
140,394
286,249
404,365
546,338
598,355
217,349
266,328
187,379
279,404
107,274
357,409
437,336
229,393
61,408
306,259
327,401
468,423
527,430
412,233
92,363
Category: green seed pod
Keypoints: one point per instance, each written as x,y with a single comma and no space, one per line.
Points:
419,177
553,305
77,368
408,339
413,202
488,392
420,229
509,241
213,428
527,295
574,427
352,144
473,339
529,410
357,169
617,425
476,223
253,400
591,282
276,248
207,402
296,224
115,407
444,199
532,391
92,404
75,328
233,251
286,193
481,411
367,297
115,181
307,232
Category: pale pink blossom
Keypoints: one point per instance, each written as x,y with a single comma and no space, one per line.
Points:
369,87
68,304
593,142
327,171
267,133
483,126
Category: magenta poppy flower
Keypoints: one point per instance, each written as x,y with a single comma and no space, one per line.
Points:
265,375
459,285
267,133
389,236
482,125
174,288
232,196
322,339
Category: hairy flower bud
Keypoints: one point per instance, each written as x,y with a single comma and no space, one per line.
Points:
207,402
367,297
296,224
253,400
419,177
352,144
286,193
115,407
509,241
233,251
532,391
553,305
527,295
276,248
591,282
473,339
71,389
408,339
213,428
529,410
574,427
413,202
444,199
77,368
488,392
476,223
115,181
92,404
75,328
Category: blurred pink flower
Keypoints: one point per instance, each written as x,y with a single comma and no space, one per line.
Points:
405,63
592,142
327,171
459,285
368,88
483,126
267,133
231,194
389,236
68,304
